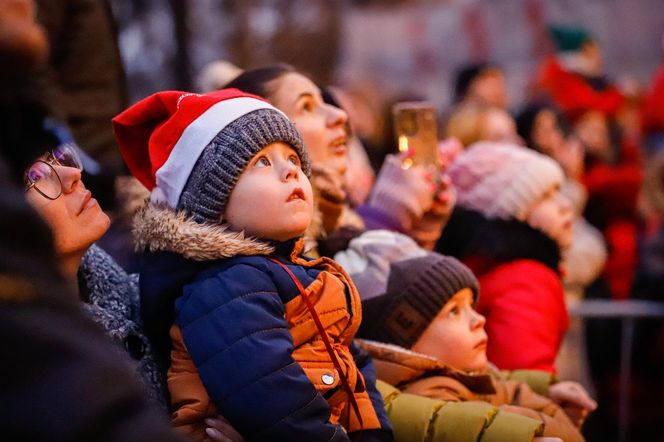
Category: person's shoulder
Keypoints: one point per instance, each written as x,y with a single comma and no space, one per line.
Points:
105,284
518,274
245,269
97,260
524,269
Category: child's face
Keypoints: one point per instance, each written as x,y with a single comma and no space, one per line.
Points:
272,198
553,215
456,337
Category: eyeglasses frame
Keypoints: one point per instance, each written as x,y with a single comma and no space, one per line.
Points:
53,162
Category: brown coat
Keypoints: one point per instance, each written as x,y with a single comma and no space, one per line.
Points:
423,375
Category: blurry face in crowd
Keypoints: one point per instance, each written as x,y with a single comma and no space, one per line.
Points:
322,126
498,125
593,130
553,215
593,57
22,41
456,336
274,187
549,138
75,218
547,135
490,88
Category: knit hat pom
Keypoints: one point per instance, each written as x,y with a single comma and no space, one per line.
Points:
502,180
189,149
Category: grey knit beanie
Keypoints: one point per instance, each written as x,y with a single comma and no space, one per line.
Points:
417,290
219,166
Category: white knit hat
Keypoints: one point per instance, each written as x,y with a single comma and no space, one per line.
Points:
502,180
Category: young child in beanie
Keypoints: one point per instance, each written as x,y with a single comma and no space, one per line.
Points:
428,340
510,225
258,333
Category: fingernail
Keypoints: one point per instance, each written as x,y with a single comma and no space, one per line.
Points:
212,432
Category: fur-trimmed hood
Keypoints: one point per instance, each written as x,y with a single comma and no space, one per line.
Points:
159,228
175,250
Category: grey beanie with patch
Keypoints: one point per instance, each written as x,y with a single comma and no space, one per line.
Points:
417,290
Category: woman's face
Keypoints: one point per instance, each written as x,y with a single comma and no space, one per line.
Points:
498,126
75,218
593,131
23,41
547,135
322,126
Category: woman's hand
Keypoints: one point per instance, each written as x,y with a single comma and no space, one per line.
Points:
328,186
427,229
220,430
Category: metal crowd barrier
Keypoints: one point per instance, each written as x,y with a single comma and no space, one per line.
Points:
628,312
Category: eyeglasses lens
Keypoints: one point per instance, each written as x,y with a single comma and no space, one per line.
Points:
65,155
45,179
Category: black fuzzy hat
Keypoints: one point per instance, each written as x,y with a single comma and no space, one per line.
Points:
417,290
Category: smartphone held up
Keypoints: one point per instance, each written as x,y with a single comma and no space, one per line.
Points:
415,126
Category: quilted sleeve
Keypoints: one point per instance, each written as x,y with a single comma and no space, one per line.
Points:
416,418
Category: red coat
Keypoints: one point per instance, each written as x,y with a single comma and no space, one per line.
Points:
612,206
653,105
572,92
526,315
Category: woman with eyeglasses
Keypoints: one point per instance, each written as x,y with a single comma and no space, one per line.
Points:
53,187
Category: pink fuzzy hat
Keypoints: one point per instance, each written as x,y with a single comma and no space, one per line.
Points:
502,180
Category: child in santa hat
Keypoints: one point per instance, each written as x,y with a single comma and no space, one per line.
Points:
258,333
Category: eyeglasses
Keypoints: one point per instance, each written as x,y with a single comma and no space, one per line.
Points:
42,176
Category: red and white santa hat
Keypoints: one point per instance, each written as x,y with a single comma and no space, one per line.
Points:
177,143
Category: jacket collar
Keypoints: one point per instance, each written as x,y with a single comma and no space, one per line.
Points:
397,366
159,228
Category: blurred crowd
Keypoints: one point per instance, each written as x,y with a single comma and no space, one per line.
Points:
154,286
